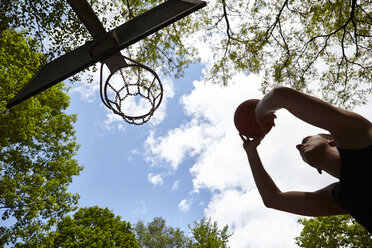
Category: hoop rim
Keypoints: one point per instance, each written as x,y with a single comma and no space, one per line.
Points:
154,104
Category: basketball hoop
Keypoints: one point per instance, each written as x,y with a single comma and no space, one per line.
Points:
133,90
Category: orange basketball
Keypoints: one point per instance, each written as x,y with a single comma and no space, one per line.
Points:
245,119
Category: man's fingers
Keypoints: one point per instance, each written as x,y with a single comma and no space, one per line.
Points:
272,119
242,137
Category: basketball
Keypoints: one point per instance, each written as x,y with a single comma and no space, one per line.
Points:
245,119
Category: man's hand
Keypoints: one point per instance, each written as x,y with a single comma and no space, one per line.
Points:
250,145
265,121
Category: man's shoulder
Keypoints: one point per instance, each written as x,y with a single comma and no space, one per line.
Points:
357,136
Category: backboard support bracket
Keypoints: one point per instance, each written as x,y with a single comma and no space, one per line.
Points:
104,46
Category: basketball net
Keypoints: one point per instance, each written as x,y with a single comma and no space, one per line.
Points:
132,90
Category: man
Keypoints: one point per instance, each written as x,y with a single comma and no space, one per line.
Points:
345,154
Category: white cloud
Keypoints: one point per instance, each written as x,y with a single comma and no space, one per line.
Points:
168,92
175,185
253,225
211,116
114,122
218,168
185,205
180,142
89,92
221,164
155,179
135,151
141,208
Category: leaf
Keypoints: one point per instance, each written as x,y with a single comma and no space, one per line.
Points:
37,147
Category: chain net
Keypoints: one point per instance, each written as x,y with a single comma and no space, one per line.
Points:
134,92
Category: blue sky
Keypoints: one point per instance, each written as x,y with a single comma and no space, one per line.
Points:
188,161
117,174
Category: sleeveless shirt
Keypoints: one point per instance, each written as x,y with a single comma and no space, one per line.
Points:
354,190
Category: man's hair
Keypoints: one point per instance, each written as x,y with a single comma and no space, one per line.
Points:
326,136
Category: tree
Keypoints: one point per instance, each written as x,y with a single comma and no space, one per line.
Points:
295,43
92,227
37,146
56,22
157,234
334,231
206,234
313,46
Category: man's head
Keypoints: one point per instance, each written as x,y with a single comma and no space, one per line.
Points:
315,149
326,136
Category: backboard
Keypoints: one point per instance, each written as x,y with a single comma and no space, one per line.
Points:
105,44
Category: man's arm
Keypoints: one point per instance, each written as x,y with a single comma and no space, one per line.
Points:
315,204
319,203
265,185
349,129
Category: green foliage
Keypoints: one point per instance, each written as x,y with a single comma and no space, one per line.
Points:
157,234
55,22
321,45
92,227
37,145
206,234
334,231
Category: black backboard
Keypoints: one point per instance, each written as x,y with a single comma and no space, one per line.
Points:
105,44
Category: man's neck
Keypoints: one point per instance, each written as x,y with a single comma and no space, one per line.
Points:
332,163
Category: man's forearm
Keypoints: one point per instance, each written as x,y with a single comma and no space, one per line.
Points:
270,102
266,186
309,109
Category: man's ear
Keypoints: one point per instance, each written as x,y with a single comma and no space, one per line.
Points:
331,142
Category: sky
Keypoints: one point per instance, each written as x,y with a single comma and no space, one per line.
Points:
187,162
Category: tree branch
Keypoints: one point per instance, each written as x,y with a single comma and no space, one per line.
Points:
38,32
228,29
131,16
226,19
272,27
